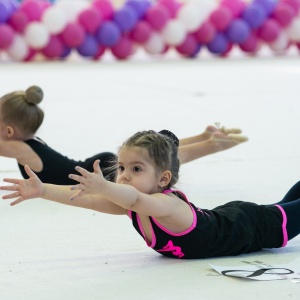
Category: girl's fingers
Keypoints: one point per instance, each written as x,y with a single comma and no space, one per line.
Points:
10,196
76,187
82,171
11,180
9,188
76,177
96,166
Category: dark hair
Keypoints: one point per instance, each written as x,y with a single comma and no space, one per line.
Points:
20,109
162,149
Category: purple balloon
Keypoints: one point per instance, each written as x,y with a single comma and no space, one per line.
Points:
238,31
6,10
89,47
139,6
268,5
108,33
126,18
254,15
219,44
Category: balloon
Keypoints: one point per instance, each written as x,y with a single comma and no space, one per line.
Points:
89,46
139,6
125,18
90,19
54,20
36,35
157,16
123,48
238,31
18,49
283,14
205,33
105,8
251,45
108,34
219,44
171,5
6,36
189,46
293,31
19,21
33,9
221,18
281,43
254,15
236,6
141,32
155,44
5,11
54,48
73,35
174,33
269,31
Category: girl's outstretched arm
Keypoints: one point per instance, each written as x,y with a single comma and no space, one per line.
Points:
25,189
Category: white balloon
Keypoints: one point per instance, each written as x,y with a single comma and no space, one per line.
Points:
18,50
54,19
72,8
205,6
281,43
174,33
155,44
293,31
36,35
191,17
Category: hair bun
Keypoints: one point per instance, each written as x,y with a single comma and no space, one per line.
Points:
34,94
170,135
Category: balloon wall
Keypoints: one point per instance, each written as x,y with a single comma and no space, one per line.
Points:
32,29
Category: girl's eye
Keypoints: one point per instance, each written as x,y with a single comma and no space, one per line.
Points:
137,169
120,168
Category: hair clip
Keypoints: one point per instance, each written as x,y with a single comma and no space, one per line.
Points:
170,135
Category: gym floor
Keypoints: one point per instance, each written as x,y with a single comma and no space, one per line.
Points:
50,251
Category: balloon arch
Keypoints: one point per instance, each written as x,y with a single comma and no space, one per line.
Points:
53,29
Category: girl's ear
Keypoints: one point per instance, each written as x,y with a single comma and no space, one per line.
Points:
9,131
165,179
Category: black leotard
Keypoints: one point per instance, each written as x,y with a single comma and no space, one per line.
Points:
57,167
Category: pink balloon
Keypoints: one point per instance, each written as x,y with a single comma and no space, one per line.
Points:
189,46
30,56
105,8
171,5
33,9
100,52
19,21
73,35
269,31
283,14
123,48
54,48
157,16
221,17
6,36
251,45
90,19
205,33
141,32
236,6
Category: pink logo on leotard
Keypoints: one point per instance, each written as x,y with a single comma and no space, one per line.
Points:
176,250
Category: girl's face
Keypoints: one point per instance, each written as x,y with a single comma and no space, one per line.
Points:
137,169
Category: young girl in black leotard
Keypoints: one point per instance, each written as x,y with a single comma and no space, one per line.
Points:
147,170
21,117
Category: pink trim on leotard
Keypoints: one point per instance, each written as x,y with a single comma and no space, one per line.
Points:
129,213
284,222
193,211
152,244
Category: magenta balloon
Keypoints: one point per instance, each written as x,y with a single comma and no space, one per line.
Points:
283,14
157,16
141,32
33,9
251,44
6,36
236,6
105,7
73,35
238,31
125,18
89,46
19,21
205,33
295,4
269,31
100,52
54,48
221,17
123,48
90,19
189,46
172,6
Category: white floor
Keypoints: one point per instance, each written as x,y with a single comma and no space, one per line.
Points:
48,251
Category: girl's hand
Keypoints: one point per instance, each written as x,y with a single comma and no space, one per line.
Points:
24,189
89,183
